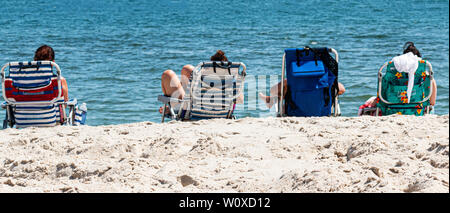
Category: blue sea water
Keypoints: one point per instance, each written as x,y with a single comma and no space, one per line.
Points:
113,52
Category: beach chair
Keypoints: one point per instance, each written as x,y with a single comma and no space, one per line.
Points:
312,79
33,96
212,92
392,90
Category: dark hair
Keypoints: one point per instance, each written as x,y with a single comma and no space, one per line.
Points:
409,47
44,53
219,56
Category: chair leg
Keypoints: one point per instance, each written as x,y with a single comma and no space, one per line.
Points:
163,113
8,118
71,118
5,122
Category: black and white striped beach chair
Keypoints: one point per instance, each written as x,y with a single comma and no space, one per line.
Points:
212,93
33,96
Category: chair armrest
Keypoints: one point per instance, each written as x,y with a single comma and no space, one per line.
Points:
166,100
368,110
72,102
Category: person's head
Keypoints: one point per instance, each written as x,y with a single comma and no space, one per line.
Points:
409,47
44,53
219,56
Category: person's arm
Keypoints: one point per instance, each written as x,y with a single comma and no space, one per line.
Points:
65,89
341,88
240,99
433,94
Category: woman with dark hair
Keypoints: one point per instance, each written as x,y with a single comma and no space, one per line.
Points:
46,53
409,47
172,86
219,56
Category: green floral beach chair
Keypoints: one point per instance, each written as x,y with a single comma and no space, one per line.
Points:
392,90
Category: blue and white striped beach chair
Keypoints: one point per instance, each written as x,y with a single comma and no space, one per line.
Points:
212,92
33,96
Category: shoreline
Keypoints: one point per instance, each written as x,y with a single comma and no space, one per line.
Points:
321,154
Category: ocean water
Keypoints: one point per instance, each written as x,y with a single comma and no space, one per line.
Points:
112,53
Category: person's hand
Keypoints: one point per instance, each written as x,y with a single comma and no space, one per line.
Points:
161,110
373,102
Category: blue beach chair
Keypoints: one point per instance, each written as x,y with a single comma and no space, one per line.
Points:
212,92
312,79
33,96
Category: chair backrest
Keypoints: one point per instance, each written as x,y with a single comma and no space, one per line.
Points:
310,81
33,90
394,86
215,87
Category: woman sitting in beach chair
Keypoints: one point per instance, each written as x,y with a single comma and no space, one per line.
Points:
37,96
193,83
173,87
311,86
46,53
407,87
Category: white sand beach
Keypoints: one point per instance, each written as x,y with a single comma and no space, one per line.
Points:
358,154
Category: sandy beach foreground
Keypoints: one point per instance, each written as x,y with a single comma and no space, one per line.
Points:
361,154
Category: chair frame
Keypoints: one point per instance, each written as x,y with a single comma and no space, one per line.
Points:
167,100
11,103
380,77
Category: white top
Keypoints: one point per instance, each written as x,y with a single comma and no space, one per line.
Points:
407,63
